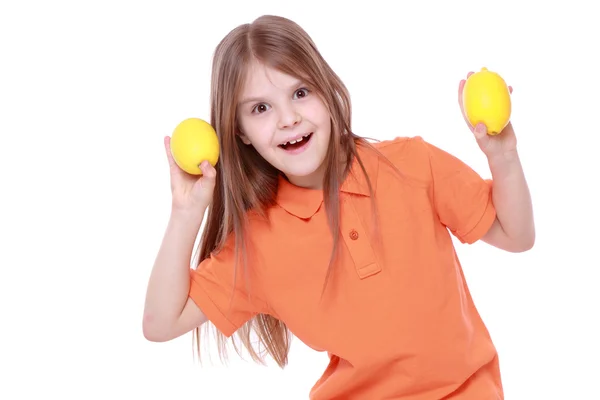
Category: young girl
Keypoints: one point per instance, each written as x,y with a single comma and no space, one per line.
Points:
344,242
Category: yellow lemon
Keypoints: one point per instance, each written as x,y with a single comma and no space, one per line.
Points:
193,141
486,99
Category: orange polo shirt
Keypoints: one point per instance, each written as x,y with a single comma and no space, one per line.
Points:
397,318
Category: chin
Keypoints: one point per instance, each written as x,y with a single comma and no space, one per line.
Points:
300,172
304,167
303,162
310,176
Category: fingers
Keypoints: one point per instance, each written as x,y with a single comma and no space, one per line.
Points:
208,171
480,131
167,143
461,86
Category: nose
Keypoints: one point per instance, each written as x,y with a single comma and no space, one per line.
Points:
288,118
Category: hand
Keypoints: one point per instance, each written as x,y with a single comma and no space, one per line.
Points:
492,146
190,192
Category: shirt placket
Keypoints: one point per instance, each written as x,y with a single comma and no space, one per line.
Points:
357,240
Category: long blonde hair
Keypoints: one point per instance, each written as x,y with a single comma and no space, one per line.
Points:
244,179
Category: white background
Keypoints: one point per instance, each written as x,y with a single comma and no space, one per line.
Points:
89,89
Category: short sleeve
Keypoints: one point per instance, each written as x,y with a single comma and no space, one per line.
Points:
462,198
227,304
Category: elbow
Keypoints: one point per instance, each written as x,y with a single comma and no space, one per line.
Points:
530,241
524,244
152,331
152,336
529,244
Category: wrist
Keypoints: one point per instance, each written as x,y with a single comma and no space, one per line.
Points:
187,215
506,167
504,158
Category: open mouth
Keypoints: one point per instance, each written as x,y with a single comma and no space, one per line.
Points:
296,144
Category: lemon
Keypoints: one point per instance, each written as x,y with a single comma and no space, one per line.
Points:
486,99
193,141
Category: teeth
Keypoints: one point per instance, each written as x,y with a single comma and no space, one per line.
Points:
297,140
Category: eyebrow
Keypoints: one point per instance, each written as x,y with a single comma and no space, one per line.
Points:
260,99
250,100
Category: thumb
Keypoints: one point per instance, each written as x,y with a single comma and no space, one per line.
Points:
480,131
209,174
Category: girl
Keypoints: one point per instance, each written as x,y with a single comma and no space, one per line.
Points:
315,231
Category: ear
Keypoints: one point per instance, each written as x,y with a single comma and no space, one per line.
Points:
243,137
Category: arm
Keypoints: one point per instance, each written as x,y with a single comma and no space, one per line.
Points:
168,311
514,228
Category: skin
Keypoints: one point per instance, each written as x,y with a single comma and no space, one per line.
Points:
275,107
514,228
168,311
281,108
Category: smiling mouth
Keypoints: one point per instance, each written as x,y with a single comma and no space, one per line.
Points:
296,144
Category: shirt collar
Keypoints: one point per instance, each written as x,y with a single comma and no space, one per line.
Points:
304,203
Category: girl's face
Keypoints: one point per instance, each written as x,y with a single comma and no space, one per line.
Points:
287,123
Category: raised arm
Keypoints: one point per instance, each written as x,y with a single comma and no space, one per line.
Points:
514,228
169,312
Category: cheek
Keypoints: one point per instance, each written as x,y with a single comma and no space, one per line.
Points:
317,113
260,137
323,120
258,130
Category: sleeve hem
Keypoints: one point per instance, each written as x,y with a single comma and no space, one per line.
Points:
482,226
210,309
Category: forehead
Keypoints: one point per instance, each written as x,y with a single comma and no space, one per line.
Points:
262,79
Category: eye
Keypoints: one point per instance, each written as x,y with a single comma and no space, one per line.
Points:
300,93
260,108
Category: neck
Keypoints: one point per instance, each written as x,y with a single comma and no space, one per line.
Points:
313,181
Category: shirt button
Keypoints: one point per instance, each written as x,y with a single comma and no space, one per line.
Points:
353,234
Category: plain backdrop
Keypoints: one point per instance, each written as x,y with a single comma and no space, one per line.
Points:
89,89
